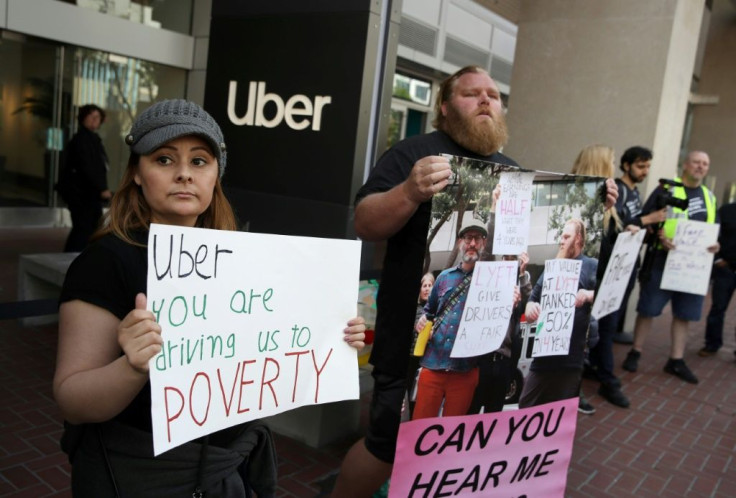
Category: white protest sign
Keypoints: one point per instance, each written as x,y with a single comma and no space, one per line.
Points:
688,265
557,316
610,294
252,326
513,213
487,310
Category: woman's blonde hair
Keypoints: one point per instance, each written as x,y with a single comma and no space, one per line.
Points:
129,211
597,160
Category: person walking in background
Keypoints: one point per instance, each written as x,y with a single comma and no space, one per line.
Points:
724,280
686,307
83,178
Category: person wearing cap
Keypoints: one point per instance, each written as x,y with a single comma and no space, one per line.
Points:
452,380
553,378
107,336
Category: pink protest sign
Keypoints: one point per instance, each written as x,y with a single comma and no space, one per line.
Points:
515,453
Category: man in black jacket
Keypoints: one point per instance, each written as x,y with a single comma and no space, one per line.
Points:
724,280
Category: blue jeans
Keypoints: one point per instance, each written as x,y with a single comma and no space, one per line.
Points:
724,283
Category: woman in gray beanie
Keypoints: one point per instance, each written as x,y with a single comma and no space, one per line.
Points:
107,336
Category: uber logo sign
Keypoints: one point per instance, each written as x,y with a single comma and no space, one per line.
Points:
291,84
297,110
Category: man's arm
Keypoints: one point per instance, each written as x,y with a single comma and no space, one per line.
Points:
379,216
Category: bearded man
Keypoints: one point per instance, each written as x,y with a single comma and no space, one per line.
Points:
553,378
442,378
395,205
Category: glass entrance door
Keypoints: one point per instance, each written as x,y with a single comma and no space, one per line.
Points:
32,108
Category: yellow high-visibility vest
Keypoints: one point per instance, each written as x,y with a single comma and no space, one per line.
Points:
674,214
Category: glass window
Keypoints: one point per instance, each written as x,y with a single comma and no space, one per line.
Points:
558,194
541,194
412,89
27,90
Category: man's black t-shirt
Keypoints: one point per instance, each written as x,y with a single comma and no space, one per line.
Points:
628,204
402,265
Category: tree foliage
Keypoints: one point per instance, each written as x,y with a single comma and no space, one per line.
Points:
578,203
471,190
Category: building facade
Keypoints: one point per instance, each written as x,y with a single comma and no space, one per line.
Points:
577,80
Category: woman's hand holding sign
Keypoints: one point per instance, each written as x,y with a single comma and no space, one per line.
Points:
139,336
355,333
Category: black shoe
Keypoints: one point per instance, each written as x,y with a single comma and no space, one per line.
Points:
706,351
614,395
623,338
584,406
678,368
631,363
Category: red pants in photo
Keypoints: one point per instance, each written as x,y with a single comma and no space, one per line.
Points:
456,388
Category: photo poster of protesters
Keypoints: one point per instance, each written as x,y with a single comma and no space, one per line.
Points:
550,200
498,444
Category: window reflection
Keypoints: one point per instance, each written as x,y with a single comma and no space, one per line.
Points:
42,86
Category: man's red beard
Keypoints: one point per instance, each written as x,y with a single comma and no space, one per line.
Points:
483,137
571,252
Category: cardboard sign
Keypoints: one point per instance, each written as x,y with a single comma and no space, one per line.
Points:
513,213
487,310
252,326
555,322
610,294
513,453
688,265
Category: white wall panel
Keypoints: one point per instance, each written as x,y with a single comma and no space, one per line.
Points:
70,24
424,10
3,9
504,44
464,25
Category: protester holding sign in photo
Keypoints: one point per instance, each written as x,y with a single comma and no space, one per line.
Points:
444,380
557,377
107,336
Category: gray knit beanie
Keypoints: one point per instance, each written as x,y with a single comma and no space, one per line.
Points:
164,121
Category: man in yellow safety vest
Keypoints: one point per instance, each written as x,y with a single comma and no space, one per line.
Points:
688,199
